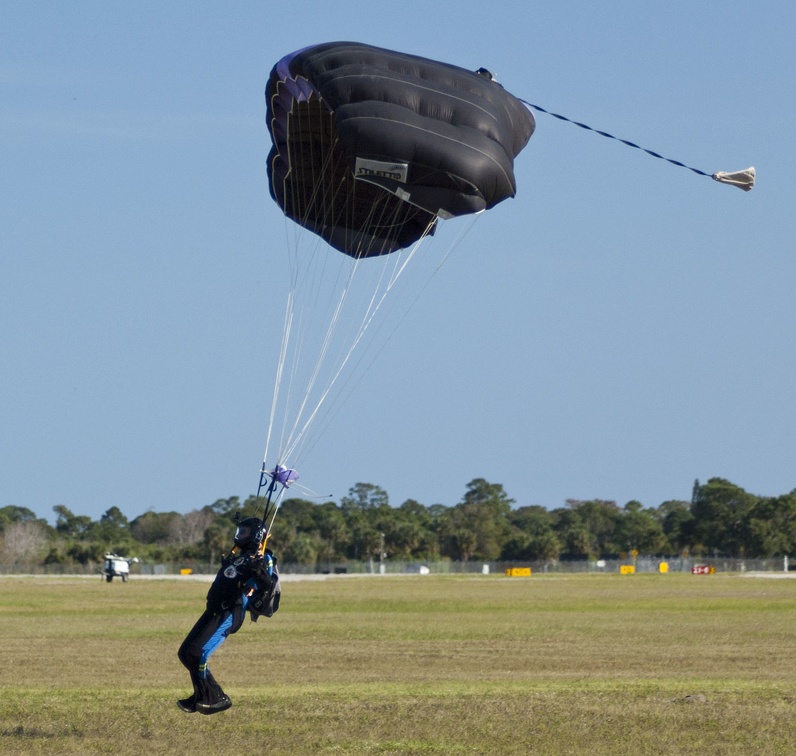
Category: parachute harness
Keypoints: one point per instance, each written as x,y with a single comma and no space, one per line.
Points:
742,179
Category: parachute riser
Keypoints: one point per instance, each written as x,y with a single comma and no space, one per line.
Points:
270,479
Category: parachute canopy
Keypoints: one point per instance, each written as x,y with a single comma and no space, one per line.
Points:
371,146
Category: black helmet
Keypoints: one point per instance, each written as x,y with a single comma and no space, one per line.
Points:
250,532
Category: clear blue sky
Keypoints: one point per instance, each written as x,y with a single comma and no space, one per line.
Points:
619,329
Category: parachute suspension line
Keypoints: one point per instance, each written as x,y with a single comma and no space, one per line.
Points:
299,261
353,341
296,264
376,299
301,124
352,381
310,124
465,229
383,212
286,328
313,124
292,438
742,179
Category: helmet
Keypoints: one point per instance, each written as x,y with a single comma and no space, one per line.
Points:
250,532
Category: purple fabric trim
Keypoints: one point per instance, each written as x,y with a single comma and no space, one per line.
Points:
299,88
284,476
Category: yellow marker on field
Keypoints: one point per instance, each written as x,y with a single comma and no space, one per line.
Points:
663,567
627,569
518,572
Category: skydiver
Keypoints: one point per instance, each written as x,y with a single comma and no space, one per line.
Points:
247,581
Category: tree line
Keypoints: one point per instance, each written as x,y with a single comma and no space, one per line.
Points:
486,525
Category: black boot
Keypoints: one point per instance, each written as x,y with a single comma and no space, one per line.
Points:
222,704
188,705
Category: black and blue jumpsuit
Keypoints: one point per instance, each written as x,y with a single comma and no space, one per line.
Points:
241,577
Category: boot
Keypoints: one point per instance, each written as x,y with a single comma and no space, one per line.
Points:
222,704
188,705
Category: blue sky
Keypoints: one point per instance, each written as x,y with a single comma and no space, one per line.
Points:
619,329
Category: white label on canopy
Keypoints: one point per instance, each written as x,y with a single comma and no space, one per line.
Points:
373,170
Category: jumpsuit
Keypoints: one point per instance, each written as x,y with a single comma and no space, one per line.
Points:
240,576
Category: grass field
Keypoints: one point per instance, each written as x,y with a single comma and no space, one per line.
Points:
608,664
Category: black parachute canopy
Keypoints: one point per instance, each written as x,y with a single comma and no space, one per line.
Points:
371,146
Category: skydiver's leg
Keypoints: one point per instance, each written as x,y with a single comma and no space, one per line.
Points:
210,692
189,655
209,632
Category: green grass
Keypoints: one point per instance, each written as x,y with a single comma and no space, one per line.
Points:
409,665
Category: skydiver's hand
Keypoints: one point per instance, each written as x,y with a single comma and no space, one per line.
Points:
259,572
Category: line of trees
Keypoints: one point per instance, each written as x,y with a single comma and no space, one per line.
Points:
720,520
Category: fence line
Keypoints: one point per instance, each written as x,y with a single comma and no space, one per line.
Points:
642,564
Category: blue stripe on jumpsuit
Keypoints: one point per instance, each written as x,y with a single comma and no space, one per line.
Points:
216,639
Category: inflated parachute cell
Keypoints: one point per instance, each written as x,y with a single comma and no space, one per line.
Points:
371,146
